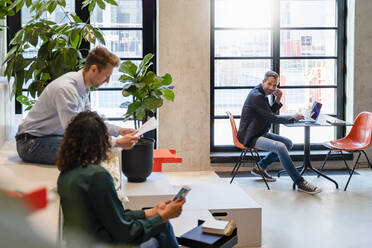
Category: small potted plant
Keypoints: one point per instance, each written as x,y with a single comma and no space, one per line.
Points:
148,91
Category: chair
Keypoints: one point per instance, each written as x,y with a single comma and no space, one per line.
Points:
358,139
254,152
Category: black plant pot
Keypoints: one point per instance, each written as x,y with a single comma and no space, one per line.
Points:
137,162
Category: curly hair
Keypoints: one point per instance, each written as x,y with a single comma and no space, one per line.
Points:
86,141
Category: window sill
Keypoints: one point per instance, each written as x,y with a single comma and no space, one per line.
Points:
232,157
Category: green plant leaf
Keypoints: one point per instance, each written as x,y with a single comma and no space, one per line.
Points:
76,18
62,3
75,38
99,36
112,2
18,37
125,78
101,4
133,107
127,85
88,33
129,68
145,62
52,6
168,94
92,5
152,103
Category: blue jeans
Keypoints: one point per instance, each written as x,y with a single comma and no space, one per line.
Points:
165,239
42,150
278,147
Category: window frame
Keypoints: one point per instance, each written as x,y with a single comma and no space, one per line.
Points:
275,57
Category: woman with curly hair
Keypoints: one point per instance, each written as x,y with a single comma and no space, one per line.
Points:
89,201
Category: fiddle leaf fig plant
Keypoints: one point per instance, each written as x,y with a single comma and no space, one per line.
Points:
43,50
147,88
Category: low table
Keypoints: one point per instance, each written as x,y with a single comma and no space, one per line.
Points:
220,201
164,156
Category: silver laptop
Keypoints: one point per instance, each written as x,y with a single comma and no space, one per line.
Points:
314,114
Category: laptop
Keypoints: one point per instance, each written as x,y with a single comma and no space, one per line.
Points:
314,114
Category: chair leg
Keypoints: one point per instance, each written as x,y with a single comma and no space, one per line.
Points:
369,163
236,164
324,162
347,166
259,167
298,168
352,172
242,155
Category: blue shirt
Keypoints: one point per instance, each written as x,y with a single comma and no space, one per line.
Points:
61,100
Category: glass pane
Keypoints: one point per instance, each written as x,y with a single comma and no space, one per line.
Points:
308,72
229,100
58,16
108,103
223,132
126,124
240,72
124,43
307,43
308,13
317,134
243,13
127,14
295,99
114,80
238,43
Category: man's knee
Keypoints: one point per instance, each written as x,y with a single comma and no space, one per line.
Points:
280,147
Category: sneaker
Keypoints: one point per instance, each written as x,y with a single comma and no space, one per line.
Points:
307,187
258,171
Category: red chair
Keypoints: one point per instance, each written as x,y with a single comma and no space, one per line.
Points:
254,153
358,139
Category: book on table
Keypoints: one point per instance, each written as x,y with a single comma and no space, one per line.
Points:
219,227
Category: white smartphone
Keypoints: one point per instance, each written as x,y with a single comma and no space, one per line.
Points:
182,193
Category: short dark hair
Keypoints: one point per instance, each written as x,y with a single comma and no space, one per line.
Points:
271,74
100,57
86,141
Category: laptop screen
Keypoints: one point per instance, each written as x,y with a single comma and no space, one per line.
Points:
316,110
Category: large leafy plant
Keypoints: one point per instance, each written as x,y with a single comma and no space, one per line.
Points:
147,88
58,46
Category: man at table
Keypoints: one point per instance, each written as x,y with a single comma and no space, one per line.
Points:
256,119
39,136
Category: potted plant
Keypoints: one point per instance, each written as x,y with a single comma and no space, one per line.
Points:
148,91
57,47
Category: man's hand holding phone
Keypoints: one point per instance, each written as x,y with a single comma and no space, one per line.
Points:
278,95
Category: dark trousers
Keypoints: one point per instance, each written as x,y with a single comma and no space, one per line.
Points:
42,150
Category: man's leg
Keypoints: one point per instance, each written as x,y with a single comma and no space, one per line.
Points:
43,150
166,238
272,156
281,150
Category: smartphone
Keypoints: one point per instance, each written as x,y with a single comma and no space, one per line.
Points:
183,192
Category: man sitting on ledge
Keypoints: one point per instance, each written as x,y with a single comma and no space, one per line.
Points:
256,119
40,134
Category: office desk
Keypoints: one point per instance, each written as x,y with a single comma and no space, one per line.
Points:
321,122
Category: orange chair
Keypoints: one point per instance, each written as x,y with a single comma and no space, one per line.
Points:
254,153
359,139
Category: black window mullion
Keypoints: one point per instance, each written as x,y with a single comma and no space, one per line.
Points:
149,30
276,48
212,90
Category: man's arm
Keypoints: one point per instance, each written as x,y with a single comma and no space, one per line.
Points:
66,101
262,108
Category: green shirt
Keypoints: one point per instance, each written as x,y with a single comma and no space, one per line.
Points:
90,205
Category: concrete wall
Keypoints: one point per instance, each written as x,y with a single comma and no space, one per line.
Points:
7,116
183,38
362,91
184,51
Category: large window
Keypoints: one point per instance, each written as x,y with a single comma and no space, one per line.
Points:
129,32
302,40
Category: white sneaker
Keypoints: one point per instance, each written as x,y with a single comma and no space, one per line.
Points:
307,187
